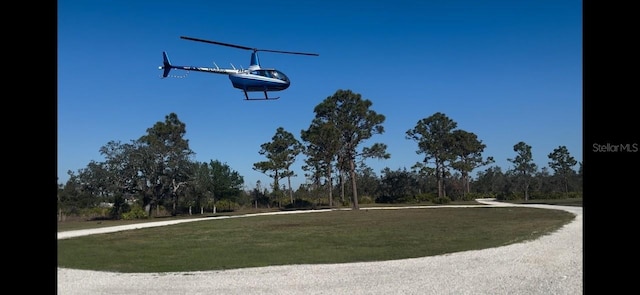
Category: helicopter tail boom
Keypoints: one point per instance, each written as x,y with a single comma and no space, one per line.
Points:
167,66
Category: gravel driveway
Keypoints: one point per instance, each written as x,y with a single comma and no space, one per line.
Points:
552,264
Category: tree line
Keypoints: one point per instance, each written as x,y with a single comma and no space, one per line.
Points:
156,174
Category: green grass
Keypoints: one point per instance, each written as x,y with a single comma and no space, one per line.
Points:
320,237
78,224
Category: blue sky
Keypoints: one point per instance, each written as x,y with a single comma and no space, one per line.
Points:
508,71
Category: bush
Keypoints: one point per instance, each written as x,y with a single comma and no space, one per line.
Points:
508,196
119,207
574,195
226,206
96,213
473,196
300,204
425,197
135,212
384,199
554,195
442,200
365,200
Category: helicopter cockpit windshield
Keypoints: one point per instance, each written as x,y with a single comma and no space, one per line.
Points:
271,74
279,75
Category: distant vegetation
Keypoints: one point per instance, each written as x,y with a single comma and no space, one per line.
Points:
155,176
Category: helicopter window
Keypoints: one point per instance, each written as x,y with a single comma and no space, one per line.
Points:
263,73
279,75
271,74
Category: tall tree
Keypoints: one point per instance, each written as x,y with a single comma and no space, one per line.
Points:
225,182
490,181
562,164
434,137
259,196
216,180
81,190
323,143
281,153
424,176
201,186
170,158
524,167
356,122
121,167
468,152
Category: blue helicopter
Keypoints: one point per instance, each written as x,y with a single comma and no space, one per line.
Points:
252,79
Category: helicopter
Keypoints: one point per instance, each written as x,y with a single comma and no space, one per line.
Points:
253,79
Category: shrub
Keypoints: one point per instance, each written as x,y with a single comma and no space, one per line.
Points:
96,213
226,206
425,197
135,212
300,204
365,200
472,196
384,199
554,195
574,195
508,196
442,200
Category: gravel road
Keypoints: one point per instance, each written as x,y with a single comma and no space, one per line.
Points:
552,264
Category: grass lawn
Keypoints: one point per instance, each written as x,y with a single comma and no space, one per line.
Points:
85,224
322,237
78,224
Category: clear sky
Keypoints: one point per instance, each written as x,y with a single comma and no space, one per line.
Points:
508,71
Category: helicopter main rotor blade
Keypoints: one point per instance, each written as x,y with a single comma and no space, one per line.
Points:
245,47
288,52
217,43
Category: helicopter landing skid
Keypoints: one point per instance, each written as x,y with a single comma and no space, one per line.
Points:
266,97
